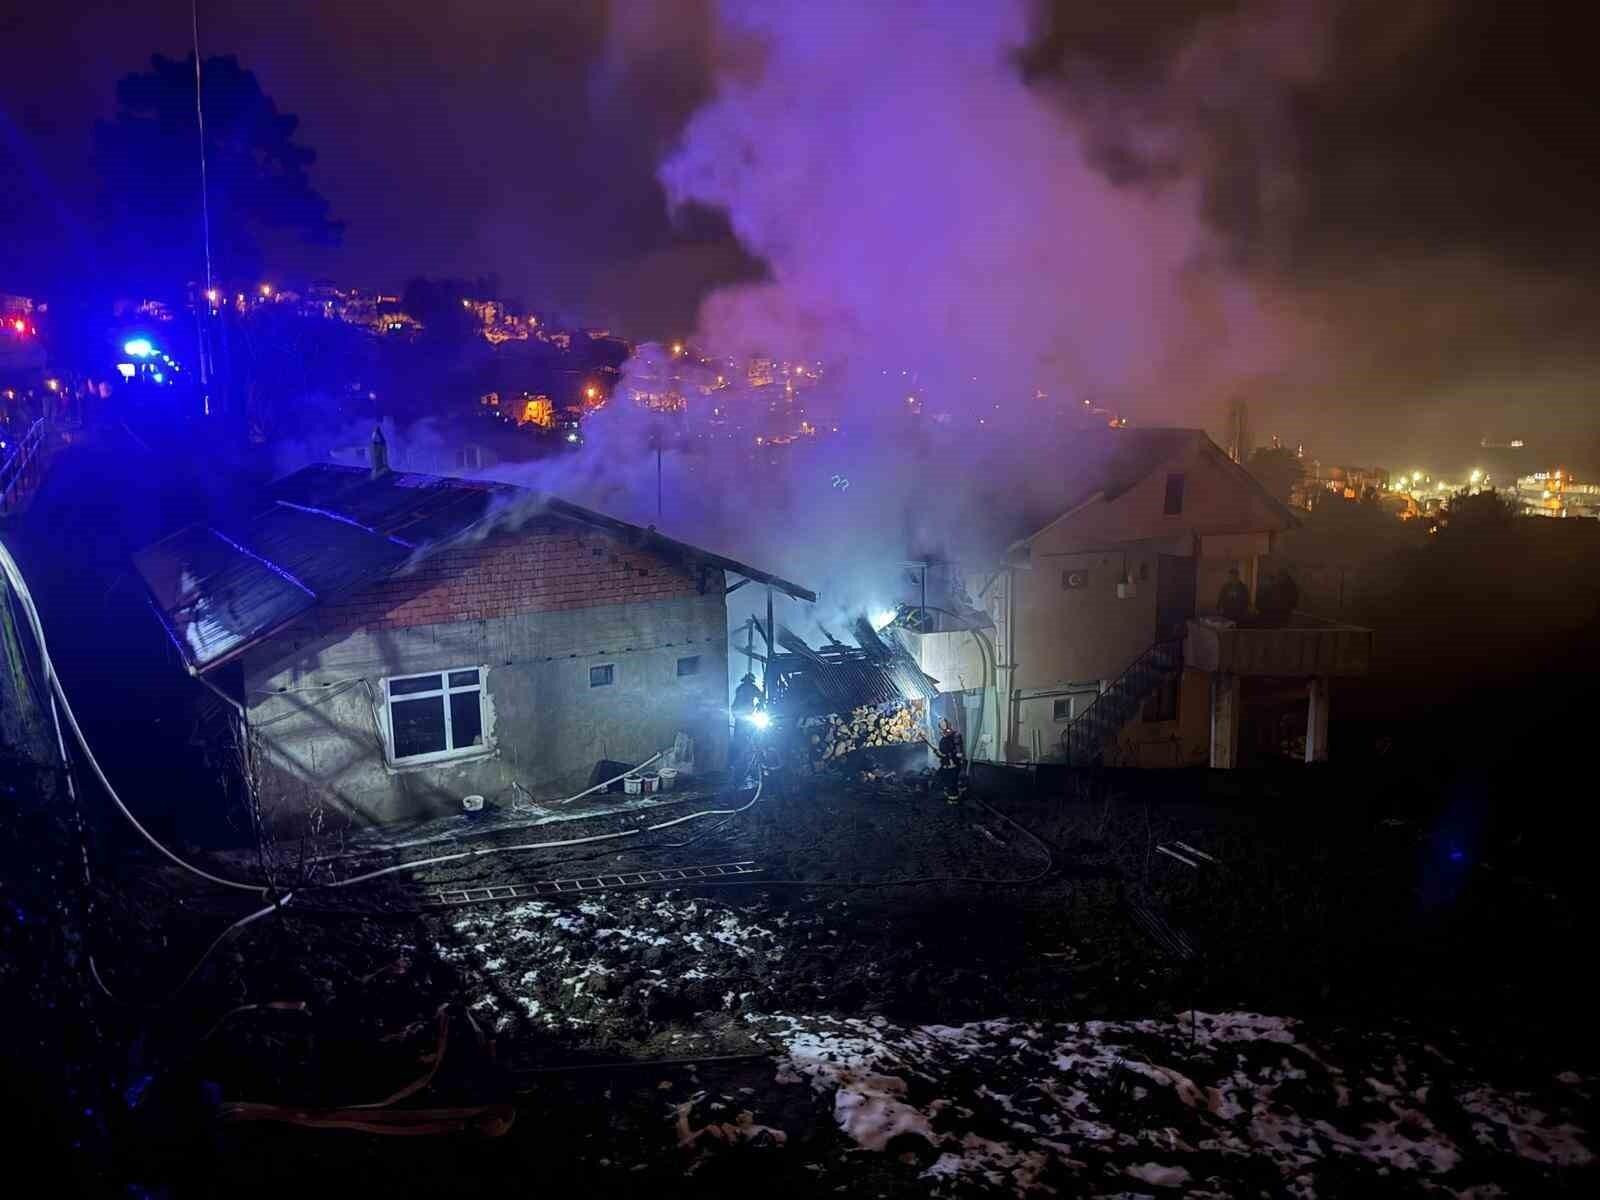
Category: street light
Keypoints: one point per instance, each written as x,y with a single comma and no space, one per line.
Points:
139,347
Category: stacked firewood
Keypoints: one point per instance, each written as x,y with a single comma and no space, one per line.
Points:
837,734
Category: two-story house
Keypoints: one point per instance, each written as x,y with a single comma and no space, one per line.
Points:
1078,624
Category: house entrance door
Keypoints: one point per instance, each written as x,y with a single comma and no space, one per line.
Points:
1175,595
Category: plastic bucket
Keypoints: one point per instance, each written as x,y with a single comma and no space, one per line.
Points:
650,784
668,777
472,803
633,785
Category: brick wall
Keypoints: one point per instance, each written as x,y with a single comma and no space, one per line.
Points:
543,567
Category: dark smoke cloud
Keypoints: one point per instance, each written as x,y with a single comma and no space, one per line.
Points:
1414,182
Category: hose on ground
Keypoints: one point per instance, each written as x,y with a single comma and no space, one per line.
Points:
19,585
484,851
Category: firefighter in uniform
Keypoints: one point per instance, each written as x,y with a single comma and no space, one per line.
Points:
952,761
747,701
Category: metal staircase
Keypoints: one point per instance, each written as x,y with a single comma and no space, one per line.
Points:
1084,740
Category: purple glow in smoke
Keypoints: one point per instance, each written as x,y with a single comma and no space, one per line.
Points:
919,205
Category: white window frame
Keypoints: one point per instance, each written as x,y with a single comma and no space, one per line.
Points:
443,693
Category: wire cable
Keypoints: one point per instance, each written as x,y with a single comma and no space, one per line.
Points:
94,970
484,851
13,574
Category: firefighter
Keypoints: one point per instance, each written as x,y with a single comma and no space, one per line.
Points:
749,707
747,697
952,760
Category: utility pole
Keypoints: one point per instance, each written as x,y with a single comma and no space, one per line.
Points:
203,301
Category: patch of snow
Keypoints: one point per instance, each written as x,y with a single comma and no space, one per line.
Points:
1157,1175
1529,1133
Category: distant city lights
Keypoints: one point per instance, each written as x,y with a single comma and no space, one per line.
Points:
138,347
213,295
126,370
266,289
53,385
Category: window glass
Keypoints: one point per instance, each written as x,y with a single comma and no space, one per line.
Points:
601,676
435,714
689,665
1174,505
466,719
418,726
417,683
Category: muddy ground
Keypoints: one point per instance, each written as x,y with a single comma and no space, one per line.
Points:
1122,985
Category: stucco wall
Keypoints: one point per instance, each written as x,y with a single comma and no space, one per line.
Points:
541,609
1074,635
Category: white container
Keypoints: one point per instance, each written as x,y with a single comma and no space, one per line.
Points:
633,785
650,783
668,779
472,803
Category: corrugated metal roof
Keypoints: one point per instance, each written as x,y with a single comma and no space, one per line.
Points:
839,679
897,662
328,529
419,509
218,593
213,596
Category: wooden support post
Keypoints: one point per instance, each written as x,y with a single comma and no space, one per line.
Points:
1317,720
1224,721
766,667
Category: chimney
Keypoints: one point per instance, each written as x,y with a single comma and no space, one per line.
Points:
380,453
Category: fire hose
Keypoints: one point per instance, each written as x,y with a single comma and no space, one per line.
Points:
19,585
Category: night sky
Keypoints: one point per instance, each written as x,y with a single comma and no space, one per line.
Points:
1406,191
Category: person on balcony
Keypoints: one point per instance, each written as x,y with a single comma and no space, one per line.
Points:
1233,601
1277,598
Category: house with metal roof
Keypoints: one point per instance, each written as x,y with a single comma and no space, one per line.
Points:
395,642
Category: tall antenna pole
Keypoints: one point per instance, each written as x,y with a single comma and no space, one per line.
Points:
205,201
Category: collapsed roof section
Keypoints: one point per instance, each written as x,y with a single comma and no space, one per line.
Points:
837,678
327,530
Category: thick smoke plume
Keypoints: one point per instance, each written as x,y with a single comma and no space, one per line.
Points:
920,204
932,219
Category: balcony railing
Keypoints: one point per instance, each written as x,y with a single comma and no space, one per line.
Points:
1302,646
